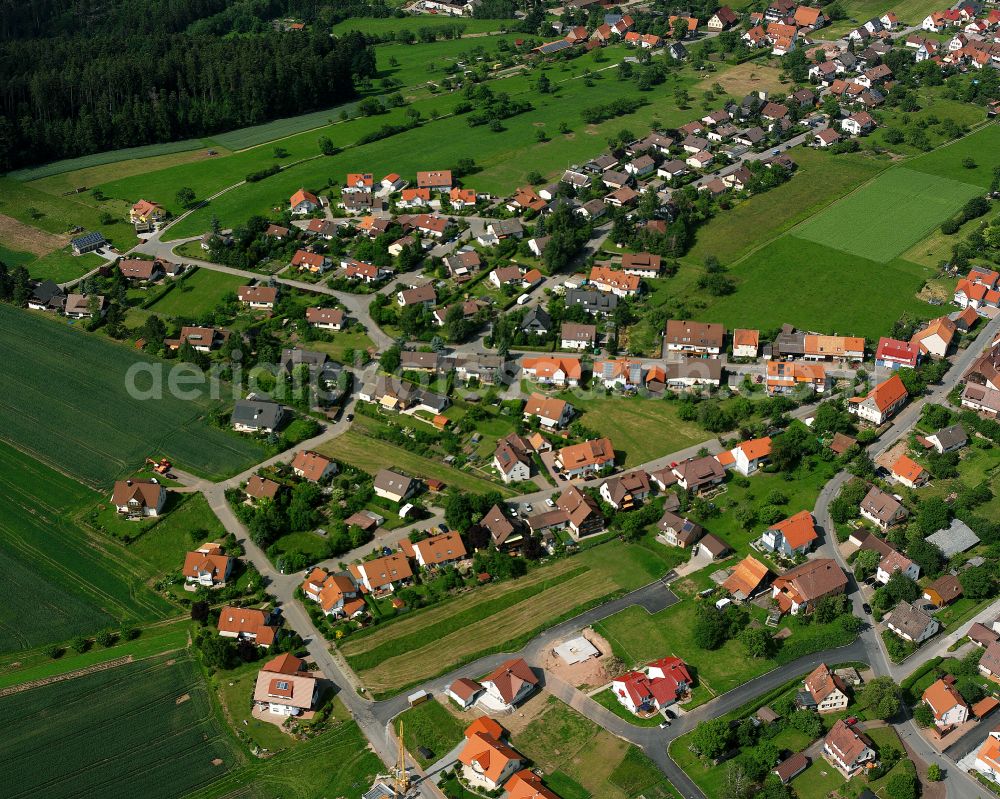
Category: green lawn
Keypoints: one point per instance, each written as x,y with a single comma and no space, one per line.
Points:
983,147
190,524
818,781
819,180
606,698
61,579
642,428
916,201
380,27
235,689
66,399
14,257
818,288
62,266
371,455
431,726
197,295
504,158
910,12
354,340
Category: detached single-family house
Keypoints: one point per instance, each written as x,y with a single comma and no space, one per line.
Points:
440,550
574,336
207,566
585,459
826,692
552,413
384,574
247,624
893,562
911,623
139,499
285,688
848,749
509,684
881,403
303,202
882,509
325,318
908,472
936,338
792,536
676,531
513,459
626,491
312,466
257,416
799,589
394,486
258,298
699,474
947,704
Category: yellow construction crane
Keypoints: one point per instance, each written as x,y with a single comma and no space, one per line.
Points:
402,778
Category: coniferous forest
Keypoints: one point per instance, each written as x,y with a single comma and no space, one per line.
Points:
79,77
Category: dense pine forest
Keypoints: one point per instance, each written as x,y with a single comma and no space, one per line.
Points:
78,77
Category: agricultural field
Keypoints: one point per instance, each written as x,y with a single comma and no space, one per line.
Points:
832,291
492,618
60,579
333,764
983,147
579,759
751,76
197,295
386,25
118,157
150,720
642,428
69,405
503,158
917,202
910,12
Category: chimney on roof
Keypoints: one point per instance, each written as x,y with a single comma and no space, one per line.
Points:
128,482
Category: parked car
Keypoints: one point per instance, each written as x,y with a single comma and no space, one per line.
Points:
443,527
550,503
527,507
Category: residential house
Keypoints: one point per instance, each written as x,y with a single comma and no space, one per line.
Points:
881,403
363,272
537,321
943,591
418,295
303,202
859,123
848,749
259,488
207,566
312,466
723,19
487,762
575,336
136,269
146,213
394,486
789,768
893,562
337,594
556,371
676,531
748,578
701,339
746,343
908,472
882,509
594,302
258,298
799,589
948,439
439,180
78,306
505,533
947,704
659,685
626,491
384,574
826,138
828,348
582,514
285,688
138,498
686,374
325,318
642,264
257,416
988,757
313,262
551,412
247,624
526,784
513,459
894,354
956,537
438,551
585,459
826,691
792,536
699,474
509,684
911,623
936,338
748,456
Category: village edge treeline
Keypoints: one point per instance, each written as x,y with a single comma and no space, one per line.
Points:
117,79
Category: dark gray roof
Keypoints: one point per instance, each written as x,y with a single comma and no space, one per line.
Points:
537,318
592,301
290,358
951,437
260,414
88,239
953,539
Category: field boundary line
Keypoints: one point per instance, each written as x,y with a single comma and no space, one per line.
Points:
69,675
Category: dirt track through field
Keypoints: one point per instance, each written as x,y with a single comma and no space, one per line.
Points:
69,675
24,238
426,661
